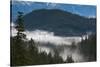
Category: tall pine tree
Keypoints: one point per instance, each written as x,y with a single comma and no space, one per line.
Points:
20,26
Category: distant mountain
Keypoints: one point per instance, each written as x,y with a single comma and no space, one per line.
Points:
60,22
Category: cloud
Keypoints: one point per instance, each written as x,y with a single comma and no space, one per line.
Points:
52,5
44,36
49,37
91,16
13,30
27,3
24,2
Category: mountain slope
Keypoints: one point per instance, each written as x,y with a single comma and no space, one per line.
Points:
58,21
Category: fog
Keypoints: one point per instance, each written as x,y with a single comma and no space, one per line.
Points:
48,42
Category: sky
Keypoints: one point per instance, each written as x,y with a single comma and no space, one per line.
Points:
28,6
88,2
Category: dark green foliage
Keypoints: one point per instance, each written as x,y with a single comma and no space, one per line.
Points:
57,58
69,59
88,48
17,51
20,26
26,53
73,46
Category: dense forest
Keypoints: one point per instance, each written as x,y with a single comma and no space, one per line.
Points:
88,48
25,52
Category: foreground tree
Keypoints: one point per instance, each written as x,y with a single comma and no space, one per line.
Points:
17,43
20,26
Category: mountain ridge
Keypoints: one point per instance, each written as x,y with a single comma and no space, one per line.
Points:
59,21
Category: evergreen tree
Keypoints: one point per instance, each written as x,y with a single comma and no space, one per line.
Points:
20,26
69,59
88,48
17,44
57,58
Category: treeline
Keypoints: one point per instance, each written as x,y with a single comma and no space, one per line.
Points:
88,48
25,52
